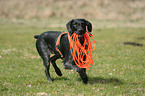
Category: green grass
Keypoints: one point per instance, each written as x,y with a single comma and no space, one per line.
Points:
118,69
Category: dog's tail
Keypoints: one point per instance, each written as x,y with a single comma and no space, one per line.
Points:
36,36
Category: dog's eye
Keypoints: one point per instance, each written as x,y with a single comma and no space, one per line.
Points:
75,25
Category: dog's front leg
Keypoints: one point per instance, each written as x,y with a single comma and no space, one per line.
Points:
83,75
81,71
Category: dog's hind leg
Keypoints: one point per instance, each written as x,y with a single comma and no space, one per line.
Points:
44,52
57,70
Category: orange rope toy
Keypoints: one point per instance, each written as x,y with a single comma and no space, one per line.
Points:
82,54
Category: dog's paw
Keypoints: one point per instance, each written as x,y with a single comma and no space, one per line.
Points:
49,79
85,80
58,72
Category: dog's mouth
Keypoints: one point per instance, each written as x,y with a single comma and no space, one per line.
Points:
80,32
80,36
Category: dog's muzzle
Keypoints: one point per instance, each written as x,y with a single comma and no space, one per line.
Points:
81,36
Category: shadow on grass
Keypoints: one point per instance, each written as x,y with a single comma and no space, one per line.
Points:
95,80
133,44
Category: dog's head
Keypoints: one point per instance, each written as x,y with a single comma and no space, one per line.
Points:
78,26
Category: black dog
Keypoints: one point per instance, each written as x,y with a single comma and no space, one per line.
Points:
46,45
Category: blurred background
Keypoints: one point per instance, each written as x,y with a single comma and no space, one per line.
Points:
116,10
97,9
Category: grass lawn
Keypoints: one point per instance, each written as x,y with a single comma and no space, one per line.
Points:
118,69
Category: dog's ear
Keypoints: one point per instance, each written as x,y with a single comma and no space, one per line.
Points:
89,26
70,27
